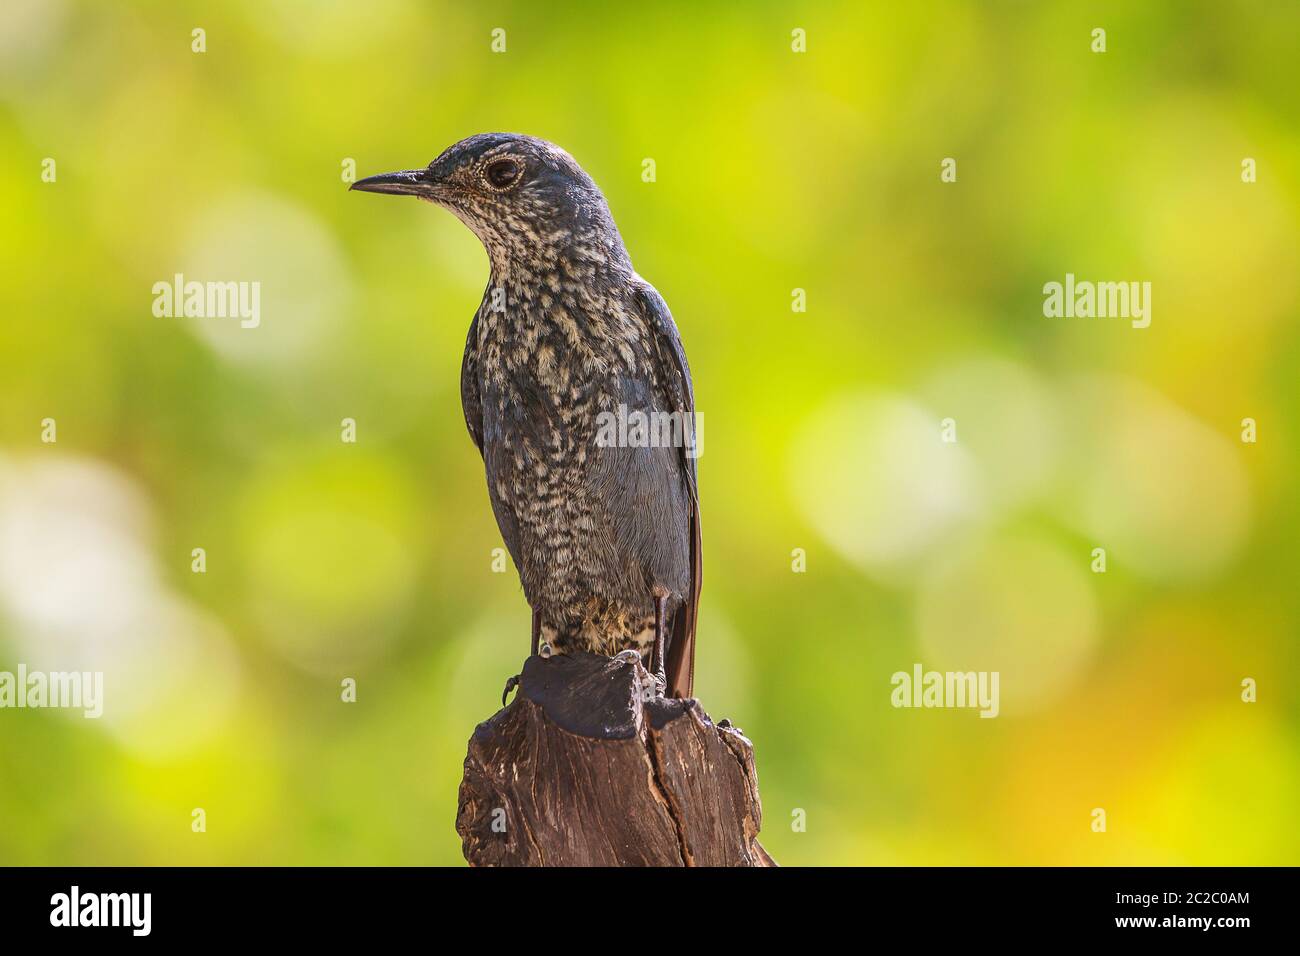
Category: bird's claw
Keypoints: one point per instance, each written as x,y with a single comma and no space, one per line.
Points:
653,689
511,684
653,686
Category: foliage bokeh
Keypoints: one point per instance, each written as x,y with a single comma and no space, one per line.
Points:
775,171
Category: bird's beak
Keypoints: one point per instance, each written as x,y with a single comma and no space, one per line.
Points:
409,182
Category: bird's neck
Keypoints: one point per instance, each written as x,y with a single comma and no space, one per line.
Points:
554,267
582,300
523,250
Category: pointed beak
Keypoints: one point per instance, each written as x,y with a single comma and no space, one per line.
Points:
409,182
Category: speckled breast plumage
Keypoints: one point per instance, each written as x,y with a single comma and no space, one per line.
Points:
549,358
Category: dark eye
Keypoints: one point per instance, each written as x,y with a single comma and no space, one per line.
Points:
502,173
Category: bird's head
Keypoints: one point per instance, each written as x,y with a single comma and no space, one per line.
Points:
527,200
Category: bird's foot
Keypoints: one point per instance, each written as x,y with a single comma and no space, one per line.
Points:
653,688
511,684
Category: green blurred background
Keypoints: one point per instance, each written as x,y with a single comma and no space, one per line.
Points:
775,171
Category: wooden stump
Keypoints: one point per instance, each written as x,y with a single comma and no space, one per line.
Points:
582,770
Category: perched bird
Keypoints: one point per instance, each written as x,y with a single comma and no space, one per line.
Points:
605,534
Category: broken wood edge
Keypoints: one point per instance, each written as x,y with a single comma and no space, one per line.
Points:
676,788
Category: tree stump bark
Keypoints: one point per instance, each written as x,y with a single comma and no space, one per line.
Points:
581,769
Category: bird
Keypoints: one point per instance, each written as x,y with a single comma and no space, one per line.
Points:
602,524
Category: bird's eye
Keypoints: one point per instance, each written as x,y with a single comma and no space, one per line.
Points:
503,173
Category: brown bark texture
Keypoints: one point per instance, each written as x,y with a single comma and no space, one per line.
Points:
587,767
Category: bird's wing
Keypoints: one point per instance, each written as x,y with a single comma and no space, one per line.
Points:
469,395
675,376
